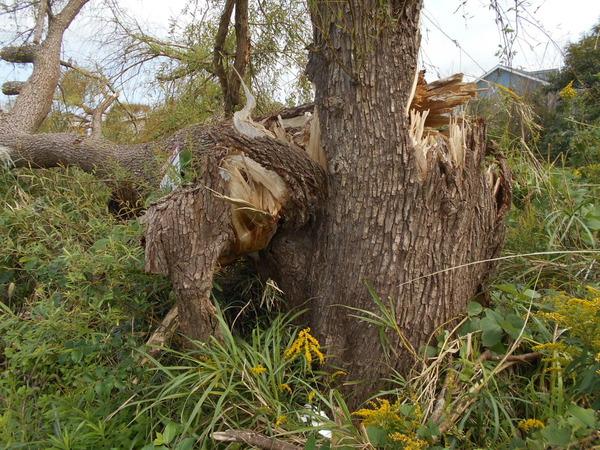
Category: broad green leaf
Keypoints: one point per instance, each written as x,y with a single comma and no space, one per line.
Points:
557,435
492,333
186,444
377,436
474,309
170,432
585,416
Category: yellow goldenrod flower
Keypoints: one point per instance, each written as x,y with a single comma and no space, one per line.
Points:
311,396
410,443
580,316
568,91
381,415
307,345
338,373
530,424
280,420
549,347
285,387
594,292
258,370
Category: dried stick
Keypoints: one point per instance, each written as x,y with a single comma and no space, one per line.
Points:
253,438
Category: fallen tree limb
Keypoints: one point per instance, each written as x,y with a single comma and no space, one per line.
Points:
255,439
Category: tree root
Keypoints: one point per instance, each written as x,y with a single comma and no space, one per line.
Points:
163,334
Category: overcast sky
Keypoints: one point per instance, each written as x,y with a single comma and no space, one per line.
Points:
455,38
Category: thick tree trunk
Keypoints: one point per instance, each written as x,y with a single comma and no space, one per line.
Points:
393,215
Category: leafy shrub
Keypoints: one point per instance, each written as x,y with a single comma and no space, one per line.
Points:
76,308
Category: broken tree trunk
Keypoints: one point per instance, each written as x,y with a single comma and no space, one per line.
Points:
244,191
241,193
406,206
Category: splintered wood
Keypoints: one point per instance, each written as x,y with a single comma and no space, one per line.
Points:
256,196
441,97
436,133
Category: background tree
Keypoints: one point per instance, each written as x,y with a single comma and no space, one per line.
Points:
41,48
573,124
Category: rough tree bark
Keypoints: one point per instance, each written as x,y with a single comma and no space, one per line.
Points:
396,205
230,80
397,210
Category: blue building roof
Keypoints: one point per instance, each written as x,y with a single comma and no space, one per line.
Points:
517,80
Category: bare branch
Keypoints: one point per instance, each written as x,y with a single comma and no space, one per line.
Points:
218,63
242,53
97,113
40,20
163,334
68,13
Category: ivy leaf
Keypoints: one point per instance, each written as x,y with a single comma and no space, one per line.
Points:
474,309
560,436
492,333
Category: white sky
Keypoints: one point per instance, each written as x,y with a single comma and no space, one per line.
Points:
563,21
467,44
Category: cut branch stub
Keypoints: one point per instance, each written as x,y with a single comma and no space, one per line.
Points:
12,87
23,54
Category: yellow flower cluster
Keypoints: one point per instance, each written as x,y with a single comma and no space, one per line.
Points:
568,91
258,370
580,316
380,414
285,387
280,420
557,352
549,347
530,424
410,443
307,345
